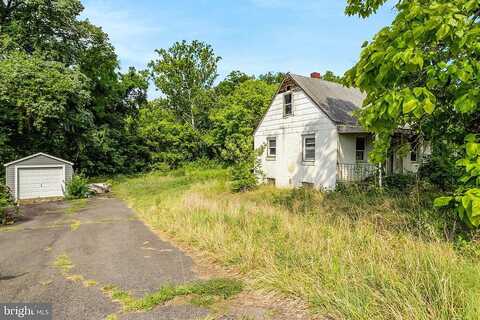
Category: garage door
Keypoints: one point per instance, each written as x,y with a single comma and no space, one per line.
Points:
40,182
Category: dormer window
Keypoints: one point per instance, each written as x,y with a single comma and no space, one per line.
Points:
287,104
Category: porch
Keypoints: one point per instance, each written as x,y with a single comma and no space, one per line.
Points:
355,172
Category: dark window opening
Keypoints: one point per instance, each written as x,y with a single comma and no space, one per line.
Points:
360,149
271,181
287,105
414,153
307,185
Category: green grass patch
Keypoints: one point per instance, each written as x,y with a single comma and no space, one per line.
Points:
75,225
63,263
203,291
76,205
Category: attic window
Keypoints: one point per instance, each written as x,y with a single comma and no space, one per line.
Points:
287,104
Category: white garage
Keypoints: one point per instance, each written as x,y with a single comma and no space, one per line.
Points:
38,176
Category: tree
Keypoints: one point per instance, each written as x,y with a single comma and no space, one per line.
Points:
330,76
423,71
42,104
168,140
272,77
237,117
184,74
61,90
231,82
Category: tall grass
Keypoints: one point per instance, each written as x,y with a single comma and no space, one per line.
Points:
348,255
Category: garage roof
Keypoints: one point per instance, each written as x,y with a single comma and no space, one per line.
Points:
36,155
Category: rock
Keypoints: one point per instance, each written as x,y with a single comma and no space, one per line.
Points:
99,188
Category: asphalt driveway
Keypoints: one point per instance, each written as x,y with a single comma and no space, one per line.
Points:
106,244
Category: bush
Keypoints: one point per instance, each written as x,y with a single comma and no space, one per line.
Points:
247,168
400,182
77,188
243,177
8,208
440,171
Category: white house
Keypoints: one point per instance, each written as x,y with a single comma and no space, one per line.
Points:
311,137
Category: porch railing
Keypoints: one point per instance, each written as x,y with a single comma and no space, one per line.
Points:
355,172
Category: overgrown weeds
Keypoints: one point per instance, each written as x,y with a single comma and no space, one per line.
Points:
351,254
8,207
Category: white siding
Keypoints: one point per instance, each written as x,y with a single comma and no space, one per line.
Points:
347,147
288,169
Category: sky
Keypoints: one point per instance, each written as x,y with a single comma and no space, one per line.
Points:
254,36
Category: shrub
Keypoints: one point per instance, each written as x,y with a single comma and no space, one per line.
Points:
243,177
77,188
8,208
247,169
400,182
440,171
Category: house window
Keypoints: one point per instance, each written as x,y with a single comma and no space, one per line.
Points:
414,153
271,148
360,149
271,181
307,185
287,104
309,148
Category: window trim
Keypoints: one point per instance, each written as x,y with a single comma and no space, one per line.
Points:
285,115
269,156
304,148
364,151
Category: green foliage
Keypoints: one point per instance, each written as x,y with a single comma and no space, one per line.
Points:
400,182
440,170
422,72
77,188
246,170
330,76
363,8
272,77
466,199
184,73
168,140
231,82
8,208
236,118
60,89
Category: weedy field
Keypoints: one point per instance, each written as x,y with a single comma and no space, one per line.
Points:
348,254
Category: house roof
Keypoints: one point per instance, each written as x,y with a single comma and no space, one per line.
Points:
335,100
36,155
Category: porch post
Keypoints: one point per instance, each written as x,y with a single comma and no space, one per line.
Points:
380,182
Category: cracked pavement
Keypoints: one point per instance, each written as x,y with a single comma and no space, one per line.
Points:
107,244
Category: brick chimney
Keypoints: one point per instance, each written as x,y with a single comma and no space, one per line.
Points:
315,75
